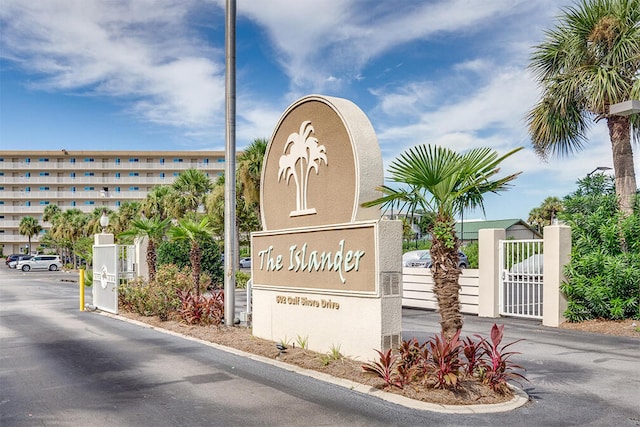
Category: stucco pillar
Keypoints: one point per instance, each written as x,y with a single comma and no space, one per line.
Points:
557,253
141,245
489,271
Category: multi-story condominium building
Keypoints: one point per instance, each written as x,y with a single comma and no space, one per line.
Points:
30,180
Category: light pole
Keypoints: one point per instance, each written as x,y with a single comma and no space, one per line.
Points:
625,108
599,168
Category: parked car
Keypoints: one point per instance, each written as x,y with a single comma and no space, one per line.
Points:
245,262
425,261
410,256
13,263
12,257
41,262
532,265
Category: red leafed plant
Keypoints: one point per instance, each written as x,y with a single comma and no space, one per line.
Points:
201,309
385,368
444,360
473,352
498,367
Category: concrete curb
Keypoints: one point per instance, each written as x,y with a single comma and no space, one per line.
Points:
519,399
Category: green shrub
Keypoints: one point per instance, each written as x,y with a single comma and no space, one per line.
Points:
241,279
603,278
178,253
159,298
471,251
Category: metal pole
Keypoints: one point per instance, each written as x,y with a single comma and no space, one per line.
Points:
81,281
230,167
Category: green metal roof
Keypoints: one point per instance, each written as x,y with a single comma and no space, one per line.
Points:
471,227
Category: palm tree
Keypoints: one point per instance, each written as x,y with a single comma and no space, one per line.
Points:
50,212
445,182
120,221
192,185
250,171
587,63
93,225
158,202
29,226
192,231
154,230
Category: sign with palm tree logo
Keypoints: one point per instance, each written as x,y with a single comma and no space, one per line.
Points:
322,260
302,153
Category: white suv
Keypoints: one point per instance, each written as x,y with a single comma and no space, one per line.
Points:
46,262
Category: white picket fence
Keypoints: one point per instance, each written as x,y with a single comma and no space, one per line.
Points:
418,289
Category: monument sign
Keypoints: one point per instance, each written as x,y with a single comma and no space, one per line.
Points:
325,269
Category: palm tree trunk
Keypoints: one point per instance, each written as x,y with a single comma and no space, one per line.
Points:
446,274
622,162
151,259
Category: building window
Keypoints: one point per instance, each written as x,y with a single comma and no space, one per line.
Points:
27,160
161,174
44,188
134,174
89,159
134,188
1,173
72,160
178,160
43,159
27,174
2,202
73,203
117,161
162,161
89,202
72,174
117,189
44,202
206,161
1,188
44,173
1,159
89,174
27,203
118,203
117,174
176,174
220,160
89,188
27,189
134,160
73,189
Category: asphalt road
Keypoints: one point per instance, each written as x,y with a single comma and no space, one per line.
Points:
60,366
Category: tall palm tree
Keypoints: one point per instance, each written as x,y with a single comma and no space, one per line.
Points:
50,212
29,226
192,185
93,224
443,182
250,171
588,62
158,202
154,230
192,231
120,220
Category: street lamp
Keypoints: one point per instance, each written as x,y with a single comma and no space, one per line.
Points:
625,108
599,168
104,221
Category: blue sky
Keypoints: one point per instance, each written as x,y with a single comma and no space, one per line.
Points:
149,75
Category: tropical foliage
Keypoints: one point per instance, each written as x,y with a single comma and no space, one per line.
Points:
546,213
441,181
448,363
603,280
29,226
154,231
588,62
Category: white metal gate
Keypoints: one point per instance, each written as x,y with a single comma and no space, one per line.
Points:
522,277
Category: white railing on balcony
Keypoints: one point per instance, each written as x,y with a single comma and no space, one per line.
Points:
125,165
80,194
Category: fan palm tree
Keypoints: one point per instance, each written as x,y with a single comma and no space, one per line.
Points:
191,185
158,202
588,62
192,231
29,226
443,182
250,171
154,230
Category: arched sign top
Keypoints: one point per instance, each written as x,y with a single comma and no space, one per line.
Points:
322,162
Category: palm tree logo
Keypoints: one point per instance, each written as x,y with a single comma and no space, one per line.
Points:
305,155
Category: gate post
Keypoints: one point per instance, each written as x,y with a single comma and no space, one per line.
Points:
489,271
557,253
